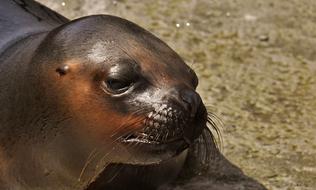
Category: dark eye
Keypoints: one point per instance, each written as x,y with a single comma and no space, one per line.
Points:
117,85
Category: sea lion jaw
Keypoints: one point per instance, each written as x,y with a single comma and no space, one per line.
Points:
166,132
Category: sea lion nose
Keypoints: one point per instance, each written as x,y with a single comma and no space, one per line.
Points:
192,106
184,97
191,100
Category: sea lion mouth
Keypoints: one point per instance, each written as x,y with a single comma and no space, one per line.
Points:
162,134
143,143
143,138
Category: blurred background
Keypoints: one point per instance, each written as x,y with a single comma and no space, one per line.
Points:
256,61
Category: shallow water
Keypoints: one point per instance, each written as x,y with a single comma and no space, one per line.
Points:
256,60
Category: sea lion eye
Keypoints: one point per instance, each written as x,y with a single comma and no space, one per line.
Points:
120,77
117,86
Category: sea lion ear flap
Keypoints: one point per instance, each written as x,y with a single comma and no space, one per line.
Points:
62,70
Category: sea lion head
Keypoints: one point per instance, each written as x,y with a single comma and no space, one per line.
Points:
122,88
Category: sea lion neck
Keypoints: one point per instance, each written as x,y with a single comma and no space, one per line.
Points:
17,59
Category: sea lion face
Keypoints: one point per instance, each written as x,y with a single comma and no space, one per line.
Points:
157,93
125,86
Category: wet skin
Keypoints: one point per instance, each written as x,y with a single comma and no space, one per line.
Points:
93,103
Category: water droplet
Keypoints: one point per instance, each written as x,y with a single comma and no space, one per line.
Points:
63,4
187,24
178,25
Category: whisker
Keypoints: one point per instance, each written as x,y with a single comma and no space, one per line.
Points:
214,127
210,146
120,166
130,132
116,173
214,123
136,118
89,159
130,117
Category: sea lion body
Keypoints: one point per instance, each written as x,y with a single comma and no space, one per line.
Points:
93,103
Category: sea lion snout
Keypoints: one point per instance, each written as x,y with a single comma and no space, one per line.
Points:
196,109
186,98
191,101
180,115
191,109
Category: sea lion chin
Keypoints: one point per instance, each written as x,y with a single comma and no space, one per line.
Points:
93,97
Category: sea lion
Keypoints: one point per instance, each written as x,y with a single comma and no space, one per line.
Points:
94,103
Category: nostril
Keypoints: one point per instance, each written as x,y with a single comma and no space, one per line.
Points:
191,99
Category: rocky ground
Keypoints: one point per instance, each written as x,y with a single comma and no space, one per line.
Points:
256,60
